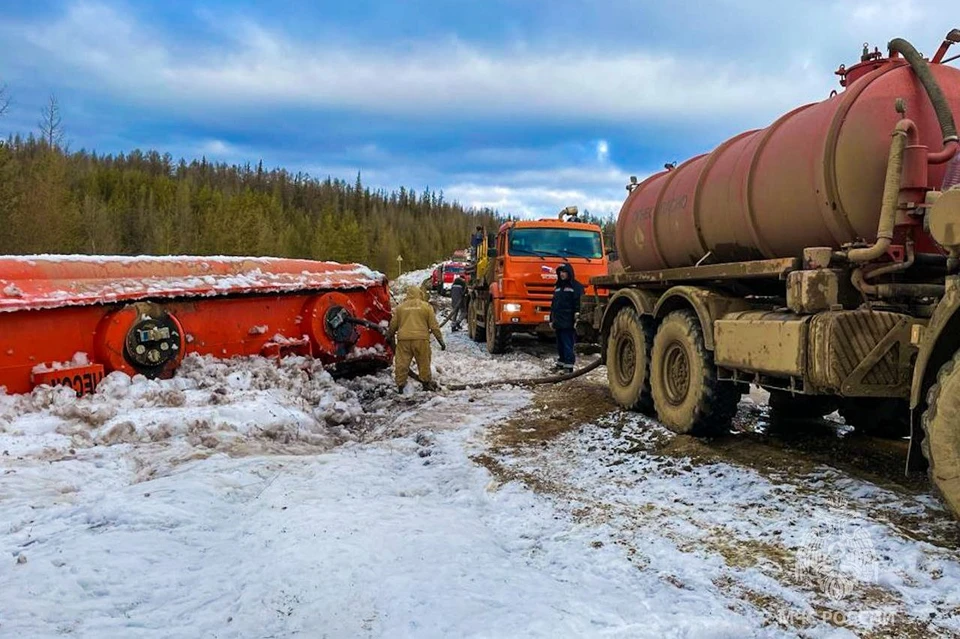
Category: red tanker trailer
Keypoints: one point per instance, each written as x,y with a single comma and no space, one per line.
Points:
69,320
818,257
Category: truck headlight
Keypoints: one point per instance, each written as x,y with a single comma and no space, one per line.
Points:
511,308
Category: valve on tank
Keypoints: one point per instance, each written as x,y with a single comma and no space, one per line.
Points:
867,56
341,329
152,343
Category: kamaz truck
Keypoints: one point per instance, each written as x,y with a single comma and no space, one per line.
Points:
512,281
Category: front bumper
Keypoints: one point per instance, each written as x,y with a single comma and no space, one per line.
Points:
524,313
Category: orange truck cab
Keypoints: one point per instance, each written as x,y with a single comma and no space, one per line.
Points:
516,274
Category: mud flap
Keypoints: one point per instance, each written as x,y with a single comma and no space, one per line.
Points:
916,462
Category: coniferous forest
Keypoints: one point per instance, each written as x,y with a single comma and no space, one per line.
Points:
55,201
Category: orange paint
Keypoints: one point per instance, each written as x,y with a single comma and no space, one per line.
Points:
143,315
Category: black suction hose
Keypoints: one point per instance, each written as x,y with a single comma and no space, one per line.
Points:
940,105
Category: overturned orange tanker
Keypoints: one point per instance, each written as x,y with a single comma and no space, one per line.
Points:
69,320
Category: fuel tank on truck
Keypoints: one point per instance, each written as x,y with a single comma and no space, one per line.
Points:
812,178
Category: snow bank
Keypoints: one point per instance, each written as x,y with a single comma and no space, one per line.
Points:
214,405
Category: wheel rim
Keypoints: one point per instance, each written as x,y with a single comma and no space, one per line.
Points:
676,373
626,353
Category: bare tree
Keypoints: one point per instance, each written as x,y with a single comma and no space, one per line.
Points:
51,129
4,99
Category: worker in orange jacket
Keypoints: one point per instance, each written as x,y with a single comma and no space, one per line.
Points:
412,323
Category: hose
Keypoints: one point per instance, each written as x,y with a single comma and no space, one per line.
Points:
891,195
366,324
534,381
941,107
897,289
897,267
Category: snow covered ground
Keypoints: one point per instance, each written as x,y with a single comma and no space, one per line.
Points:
242,499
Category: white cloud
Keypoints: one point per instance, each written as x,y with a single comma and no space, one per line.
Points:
524,193
258,68
218,149
603,151
530,201
543,192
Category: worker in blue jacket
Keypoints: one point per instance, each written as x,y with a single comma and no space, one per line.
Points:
563,315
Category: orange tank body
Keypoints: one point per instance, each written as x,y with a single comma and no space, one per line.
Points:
812,178
72,319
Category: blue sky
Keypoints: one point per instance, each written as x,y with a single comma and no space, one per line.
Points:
526,106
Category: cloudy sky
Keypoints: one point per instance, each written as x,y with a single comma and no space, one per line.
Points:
522,105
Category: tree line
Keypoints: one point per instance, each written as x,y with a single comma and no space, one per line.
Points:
53,200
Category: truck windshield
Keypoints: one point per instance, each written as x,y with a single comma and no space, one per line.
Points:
547,242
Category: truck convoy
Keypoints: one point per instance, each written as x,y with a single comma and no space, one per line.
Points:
69,320
818,258
511,284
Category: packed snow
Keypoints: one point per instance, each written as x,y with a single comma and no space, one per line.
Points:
246,498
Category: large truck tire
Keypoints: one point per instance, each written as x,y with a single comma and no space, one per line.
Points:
497,336
885,417
628,361
687,395
941,426
473,329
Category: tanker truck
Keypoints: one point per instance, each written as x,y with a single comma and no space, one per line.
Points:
818,258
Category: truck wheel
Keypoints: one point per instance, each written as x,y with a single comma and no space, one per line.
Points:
683,380
473,329
497,336
628,361
877,416
941,426
788,407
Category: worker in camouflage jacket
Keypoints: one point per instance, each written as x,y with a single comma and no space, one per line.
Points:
563,315
411,325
